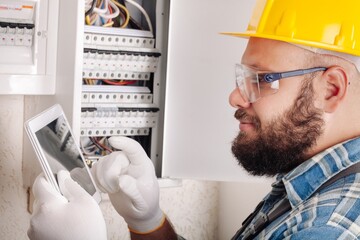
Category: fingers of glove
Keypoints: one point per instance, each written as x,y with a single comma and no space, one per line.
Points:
131,148
69,188
129,187
107,171
45,193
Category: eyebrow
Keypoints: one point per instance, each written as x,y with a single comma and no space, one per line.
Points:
258,67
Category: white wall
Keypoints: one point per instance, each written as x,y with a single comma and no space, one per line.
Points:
14,218
192,209
236,202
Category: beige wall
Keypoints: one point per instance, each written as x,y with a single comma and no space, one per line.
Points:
192,207
14,217
236,202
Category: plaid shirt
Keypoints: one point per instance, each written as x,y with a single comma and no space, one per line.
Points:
331,213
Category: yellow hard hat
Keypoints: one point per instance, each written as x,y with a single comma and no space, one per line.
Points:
328,24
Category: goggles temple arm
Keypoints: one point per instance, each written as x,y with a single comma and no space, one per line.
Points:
271,77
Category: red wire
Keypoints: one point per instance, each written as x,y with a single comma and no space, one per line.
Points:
110,10
118,83
100,145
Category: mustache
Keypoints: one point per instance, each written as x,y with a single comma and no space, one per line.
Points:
242,116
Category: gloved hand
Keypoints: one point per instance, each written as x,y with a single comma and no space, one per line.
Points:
75,216
128,176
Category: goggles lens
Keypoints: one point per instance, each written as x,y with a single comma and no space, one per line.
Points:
252,85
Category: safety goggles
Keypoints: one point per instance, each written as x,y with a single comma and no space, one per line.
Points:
254,85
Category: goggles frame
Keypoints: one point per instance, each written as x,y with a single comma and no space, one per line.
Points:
244,73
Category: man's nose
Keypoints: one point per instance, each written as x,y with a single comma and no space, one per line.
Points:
237,100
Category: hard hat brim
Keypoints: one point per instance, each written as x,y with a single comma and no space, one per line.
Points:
249,34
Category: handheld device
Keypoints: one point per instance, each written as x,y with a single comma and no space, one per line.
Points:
54,144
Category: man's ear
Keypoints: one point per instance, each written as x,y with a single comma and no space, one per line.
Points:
336,81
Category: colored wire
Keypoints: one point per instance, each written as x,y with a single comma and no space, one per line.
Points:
87,20
132,22
121,82
91,9
104,12
88,150
95,19
100,145
109,24
104,145
88,81
106,15
122,19
101,10
143,12
126,13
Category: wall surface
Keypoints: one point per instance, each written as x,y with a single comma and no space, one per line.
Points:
14,219
236,202
191,207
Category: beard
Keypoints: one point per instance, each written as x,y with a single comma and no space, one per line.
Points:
282,144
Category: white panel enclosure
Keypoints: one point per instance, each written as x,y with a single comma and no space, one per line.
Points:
28,46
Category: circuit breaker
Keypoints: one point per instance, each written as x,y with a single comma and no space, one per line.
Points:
17,25
120,61
28,39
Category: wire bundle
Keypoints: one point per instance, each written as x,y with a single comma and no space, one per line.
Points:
113,13
95,146
88,81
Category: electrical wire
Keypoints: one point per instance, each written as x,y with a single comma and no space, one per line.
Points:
132,22
95,19
109,24
119,82
142,10
103,13
122,7
100,145
88,81
107,14
103,10
91,9
86,150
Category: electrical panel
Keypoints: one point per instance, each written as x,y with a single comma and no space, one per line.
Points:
17,28
120,62
17,24
28,39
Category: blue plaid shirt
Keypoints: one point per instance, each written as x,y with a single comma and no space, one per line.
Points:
331,213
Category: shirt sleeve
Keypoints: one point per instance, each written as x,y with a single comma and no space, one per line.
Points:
324,232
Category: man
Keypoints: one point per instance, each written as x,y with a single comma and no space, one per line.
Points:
297,100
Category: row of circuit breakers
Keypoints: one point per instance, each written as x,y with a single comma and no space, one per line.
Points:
17,24
118,54
16,34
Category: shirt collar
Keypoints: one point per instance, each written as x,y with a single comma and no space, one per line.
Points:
305,179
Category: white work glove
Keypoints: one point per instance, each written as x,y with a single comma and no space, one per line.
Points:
75,216
128,176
